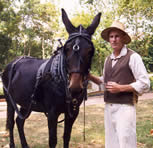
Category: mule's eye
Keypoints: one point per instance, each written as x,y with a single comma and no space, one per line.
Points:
68,51
90,51
68,47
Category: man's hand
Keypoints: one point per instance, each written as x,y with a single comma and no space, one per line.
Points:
114,87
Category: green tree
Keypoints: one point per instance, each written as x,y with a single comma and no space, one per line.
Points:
29,27
5,43
148,60
138,18
39,22
8,25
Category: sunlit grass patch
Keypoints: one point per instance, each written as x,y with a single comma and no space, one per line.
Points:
36,128
145,123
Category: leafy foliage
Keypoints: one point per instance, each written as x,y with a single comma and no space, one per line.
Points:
137,17
5,43
32,28
41,27
30,25
151,83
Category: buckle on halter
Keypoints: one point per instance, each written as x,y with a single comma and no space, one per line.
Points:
76,47
74,101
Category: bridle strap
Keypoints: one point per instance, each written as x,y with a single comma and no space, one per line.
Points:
77,35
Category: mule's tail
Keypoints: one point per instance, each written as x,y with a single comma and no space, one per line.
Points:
7,122
9,98
7,126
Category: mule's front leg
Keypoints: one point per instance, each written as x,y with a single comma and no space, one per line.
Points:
68,128
52,127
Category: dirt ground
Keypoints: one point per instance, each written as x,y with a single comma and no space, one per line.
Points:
90,101
99,99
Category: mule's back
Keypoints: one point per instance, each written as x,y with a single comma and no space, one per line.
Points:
22,75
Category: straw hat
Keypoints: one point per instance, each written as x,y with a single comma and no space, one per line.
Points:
115,25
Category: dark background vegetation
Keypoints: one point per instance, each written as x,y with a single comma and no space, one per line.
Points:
32,28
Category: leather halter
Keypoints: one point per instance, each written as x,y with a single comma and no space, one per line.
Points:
76,47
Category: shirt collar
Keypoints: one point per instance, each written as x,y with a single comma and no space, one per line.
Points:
122,53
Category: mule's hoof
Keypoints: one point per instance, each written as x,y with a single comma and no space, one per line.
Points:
12,145
26,146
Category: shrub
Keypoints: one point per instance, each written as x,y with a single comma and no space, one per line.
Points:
1,88
151,83
1,91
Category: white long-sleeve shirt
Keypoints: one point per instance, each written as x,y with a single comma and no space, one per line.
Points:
142,83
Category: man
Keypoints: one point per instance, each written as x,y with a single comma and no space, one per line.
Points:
124,78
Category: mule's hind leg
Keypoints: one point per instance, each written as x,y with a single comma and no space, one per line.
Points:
20,125
10,122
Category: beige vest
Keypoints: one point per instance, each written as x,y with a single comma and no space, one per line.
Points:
121,74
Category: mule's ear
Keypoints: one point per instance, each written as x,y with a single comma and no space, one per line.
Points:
91,29
69,27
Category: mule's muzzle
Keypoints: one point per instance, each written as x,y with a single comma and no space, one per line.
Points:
75,92
75,84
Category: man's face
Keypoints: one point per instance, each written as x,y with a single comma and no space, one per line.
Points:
116,38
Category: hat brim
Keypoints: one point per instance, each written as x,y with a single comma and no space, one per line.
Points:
105,34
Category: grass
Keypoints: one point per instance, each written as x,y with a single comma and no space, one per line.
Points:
1,90
37,134
145,123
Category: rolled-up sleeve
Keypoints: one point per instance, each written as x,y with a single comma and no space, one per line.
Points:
142,83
